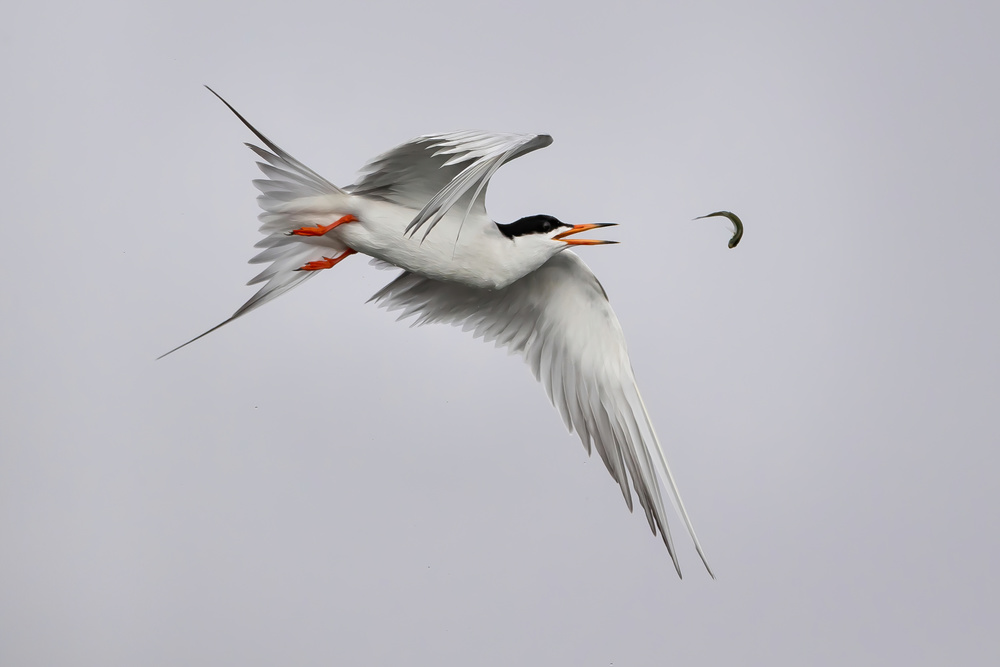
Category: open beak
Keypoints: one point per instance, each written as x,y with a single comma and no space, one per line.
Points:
576,229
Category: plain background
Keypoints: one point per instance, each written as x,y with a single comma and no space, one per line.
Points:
318,484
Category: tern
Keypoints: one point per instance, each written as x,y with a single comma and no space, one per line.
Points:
420,207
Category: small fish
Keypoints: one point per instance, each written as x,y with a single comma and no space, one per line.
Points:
737,223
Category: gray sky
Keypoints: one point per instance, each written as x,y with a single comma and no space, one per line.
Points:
318,484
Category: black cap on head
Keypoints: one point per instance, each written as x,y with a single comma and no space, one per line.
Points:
533,224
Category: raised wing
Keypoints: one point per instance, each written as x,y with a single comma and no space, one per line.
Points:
435,172
559,319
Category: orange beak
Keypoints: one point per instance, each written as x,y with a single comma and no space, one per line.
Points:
576,229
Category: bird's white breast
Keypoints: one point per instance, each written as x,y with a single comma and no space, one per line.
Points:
477,255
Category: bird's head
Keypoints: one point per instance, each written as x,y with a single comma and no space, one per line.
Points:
549,235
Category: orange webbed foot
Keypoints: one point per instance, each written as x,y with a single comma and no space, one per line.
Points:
321,229
326,262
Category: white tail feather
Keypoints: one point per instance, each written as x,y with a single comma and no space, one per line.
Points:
292,196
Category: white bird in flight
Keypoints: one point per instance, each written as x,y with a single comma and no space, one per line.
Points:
514,284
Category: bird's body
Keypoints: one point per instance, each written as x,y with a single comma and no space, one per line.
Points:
421,207
477,256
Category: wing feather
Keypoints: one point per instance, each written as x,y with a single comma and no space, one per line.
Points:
559,319
435,172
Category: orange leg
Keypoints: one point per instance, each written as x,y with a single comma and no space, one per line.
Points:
322,229
326,262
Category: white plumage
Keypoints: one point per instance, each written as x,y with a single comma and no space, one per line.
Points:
421,207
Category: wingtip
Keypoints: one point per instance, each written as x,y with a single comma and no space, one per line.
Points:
668,542
675,561
705,563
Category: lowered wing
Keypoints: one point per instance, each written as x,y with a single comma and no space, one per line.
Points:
559,319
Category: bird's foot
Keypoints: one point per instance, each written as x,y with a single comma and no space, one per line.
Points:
326,262
321,229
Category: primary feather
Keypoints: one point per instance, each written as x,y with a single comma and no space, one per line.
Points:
559,319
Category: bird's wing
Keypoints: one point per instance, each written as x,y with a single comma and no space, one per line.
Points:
435,172
559,319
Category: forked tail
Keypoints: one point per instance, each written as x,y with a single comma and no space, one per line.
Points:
299,207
